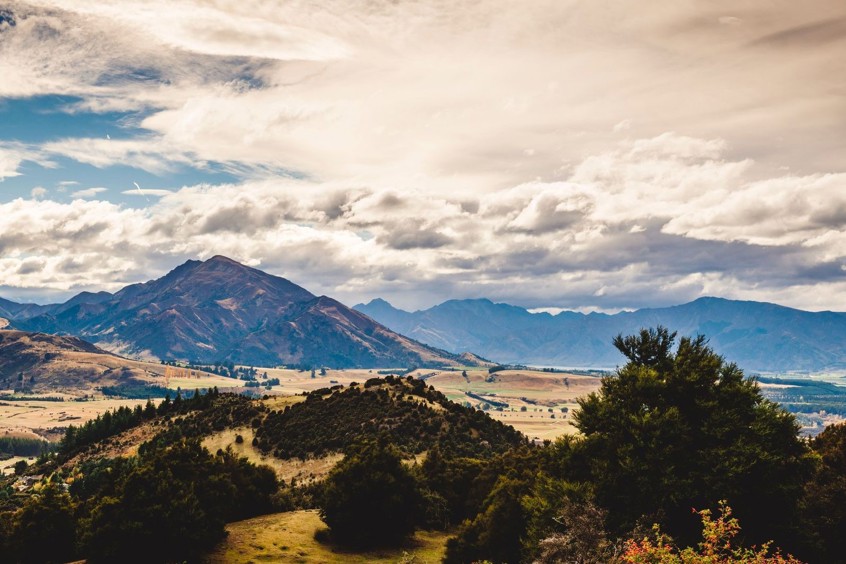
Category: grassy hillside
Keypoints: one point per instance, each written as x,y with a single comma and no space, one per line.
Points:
108,464
56,365
290,537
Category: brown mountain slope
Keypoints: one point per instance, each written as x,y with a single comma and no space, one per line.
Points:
222,310
36,362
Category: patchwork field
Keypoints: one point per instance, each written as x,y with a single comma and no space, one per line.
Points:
42,416
540,404
816,400
289,537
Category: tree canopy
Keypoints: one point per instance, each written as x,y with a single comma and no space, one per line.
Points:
370,498
676,429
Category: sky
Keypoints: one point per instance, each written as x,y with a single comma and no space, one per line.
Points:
588,155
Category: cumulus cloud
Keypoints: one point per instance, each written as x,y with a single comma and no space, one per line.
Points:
655,221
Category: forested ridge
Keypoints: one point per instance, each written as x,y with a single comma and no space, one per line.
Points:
410,415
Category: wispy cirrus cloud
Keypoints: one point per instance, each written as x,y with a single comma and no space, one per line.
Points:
13,155
89,192
144,192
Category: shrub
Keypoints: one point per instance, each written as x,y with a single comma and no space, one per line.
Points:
370,498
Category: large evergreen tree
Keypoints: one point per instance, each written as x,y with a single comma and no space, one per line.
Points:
370,498
44,529
675,430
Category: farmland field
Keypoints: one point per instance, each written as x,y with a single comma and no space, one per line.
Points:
538,403
41,415
48,419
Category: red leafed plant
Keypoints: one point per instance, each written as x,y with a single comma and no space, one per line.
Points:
715,548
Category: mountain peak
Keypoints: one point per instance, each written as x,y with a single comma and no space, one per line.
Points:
221,309
378,304
222,259
220,262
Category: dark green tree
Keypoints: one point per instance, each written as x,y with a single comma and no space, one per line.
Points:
495,533
44,530
172,505
676,430
20,467
370,498
824,503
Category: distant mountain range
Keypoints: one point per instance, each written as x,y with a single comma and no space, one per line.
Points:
222,310
757,336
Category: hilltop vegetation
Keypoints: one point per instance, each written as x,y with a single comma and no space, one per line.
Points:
171,499
408,413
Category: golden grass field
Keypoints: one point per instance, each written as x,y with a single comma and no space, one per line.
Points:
542,394
7,467
289,537
48,419
303,471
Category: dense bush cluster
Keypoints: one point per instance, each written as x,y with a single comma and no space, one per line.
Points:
166,505
401,411
210,415
678,430
138,391
370,498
